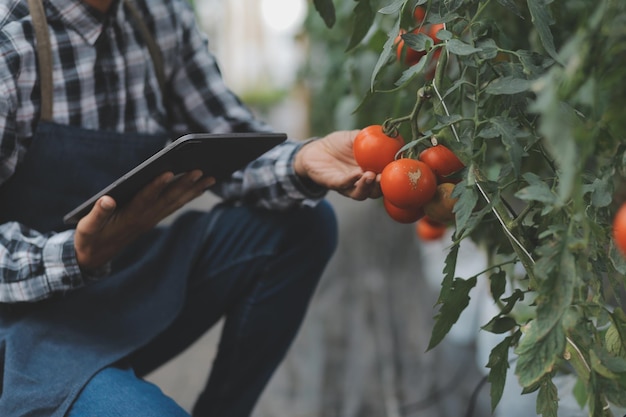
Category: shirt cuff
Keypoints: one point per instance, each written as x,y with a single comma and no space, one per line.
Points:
298,187
62,270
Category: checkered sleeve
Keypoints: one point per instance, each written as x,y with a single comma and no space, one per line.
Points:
35,266
271,182
205,103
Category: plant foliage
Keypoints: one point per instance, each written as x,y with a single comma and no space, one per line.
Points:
529,94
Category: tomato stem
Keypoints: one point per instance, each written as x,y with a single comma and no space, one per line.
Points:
391,125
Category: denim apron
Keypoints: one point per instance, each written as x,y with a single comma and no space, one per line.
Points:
50,349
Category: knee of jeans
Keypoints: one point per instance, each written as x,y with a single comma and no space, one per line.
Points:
318,228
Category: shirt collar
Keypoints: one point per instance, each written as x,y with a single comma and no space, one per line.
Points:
85,20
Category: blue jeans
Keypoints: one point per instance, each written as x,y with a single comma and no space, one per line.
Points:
258,269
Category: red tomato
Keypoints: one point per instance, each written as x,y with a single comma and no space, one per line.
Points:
440,208
411,56
619,228
402,215
433,30
419,14
373,149
408,183
428,229
441,160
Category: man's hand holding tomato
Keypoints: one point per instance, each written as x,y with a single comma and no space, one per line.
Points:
330,162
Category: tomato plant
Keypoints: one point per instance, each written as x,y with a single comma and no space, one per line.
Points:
408,183
530,96
374,149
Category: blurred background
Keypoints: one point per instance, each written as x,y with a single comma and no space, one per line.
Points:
362,349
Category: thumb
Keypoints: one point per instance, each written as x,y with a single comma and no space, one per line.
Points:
99,215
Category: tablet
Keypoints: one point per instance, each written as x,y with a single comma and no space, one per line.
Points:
217,155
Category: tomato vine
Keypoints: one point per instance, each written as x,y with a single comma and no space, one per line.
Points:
529,96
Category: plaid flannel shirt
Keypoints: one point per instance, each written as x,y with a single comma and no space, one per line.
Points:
105,80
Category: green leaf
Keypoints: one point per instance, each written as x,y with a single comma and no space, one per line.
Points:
601,192
453,305
488,48
363,19
393,8
508,85
449,270
538,190
518,295
542,20
617,258
499,325
417,41
538,352
619,323
544,341
547,399
498,365
556,269
508,129
580,393
452,5
497,283
326,10
467,200
412,71
512,6
386,52
461,48
533,63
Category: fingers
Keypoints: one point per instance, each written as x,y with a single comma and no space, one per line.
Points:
167,193
182,189
367,186
98,217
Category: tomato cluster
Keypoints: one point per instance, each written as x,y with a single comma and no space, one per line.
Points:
414,190
408,55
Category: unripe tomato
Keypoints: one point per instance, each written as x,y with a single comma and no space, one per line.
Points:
373,149
408,183
402,215
619,228
428,229
441,160
441,207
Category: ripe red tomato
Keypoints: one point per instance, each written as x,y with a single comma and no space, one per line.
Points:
402,215
433,30
373,149
441,160
428,229
619,228
419,13
411,56
408,183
